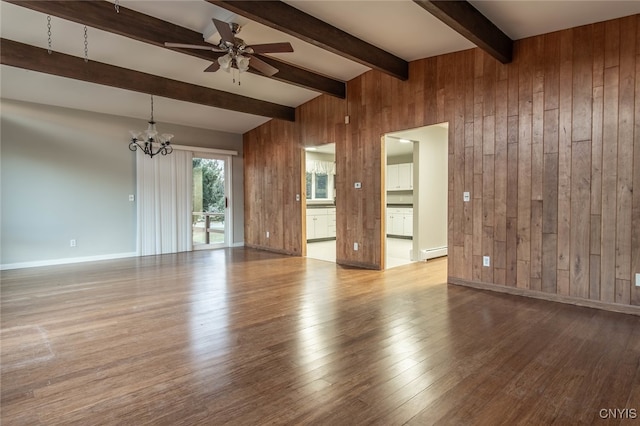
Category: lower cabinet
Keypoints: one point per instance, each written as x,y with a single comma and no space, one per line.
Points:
321,223
400,221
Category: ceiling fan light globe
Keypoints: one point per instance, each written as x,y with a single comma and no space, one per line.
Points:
243,63
225,62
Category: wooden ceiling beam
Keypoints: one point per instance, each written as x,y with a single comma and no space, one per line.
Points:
147,29
32,58
292,21
462,17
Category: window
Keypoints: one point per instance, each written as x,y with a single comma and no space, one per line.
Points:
319,186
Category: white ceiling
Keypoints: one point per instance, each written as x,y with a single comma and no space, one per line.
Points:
398,26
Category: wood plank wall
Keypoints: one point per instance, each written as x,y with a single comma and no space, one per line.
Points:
548,146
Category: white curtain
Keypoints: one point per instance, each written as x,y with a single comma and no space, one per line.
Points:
164,203
321,167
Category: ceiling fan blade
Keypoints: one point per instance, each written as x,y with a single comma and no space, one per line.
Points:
194,46
224,29
272,47
262,66
215,66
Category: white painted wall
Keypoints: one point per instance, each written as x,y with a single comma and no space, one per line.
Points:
68,174
430,158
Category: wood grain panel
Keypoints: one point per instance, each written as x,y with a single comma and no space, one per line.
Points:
564,152
549,262
536,245
551,71
580,216
626,115
582,83
635,213
548,146
609,183
500,163
525,107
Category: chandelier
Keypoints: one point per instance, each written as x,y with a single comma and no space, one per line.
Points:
149,141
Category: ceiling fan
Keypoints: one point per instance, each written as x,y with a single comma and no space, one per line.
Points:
238,54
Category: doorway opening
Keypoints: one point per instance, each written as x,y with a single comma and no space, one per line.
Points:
416,195
320,202
211,216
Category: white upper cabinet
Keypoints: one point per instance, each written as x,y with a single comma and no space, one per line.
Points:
400,177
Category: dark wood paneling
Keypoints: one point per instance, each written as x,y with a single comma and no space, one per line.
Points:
551,178
272,179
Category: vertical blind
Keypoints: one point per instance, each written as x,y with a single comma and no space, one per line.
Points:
164,203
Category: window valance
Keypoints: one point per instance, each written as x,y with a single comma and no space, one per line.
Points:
321,167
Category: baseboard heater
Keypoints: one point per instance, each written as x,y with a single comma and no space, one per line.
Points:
426,254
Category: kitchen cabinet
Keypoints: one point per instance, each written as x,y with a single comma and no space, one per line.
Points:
400,177
321,223
400,221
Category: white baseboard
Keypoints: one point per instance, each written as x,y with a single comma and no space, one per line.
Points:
65,261
432,253
426,254
241,244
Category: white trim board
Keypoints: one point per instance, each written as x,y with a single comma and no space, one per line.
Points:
197,149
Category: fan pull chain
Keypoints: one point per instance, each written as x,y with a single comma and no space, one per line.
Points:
49,32
117,6
86,45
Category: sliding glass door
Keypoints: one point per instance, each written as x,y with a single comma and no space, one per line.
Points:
211,213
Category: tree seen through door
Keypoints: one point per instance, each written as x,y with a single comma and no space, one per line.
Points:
209,201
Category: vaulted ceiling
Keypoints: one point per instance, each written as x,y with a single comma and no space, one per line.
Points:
333,42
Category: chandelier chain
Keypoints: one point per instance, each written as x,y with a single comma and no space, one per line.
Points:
86,45
117,6
49,33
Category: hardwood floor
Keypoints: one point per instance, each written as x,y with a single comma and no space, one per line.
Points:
246,337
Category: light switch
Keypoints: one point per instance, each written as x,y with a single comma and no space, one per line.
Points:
466,197
132,197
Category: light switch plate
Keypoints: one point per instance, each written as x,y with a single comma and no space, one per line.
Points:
637,280
466,197
132,197
486,261
357,185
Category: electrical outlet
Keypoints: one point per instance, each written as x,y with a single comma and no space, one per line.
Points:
267,234
486,261
357,185
297,197
355,246
72,243
637,280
